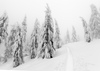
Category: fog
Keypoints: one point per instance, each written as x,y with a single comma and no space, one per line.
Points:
66,12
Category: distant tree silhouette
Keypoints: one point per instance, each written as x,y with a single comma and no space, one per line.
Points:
67,40
57,39
24,33
74,36
35,39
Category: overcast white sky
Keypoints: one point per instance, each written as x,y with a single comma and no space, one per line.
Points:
66,12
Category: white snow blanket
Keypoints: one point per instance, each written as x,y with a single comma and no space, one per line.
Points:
86,56
61,62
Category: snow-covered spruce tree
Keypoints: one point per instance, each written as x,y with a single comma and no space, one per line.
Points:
3,30
3,27
57,39
35,39
74,36
47,44
94,23
24,30
10,45
87,35
18,54
67,40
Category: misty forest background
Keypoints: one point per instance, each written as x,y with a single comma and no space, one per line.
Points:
44,39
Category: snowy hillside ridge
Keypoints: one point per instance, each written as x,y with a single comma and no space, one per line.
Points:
86,55
61,62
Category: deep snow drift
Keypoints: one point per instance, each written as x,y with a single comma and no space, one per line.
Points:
86,56
61,62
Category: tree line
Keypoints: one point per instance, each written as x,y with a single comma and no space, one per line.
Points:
43,42
91,29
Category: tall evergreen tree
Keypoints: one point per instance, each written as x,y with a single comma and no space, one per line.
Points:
18,54
57,36
74,36
10,43
47,45
67,40
86,31
94,22
24,29
35,39
3,30
3,27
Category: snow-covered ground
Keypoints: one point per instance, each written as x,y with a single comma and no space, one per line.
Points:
86,56
61,62
77,56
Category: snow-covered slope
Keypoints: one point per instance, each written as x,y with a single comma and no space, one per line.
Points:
61,62
81,55
86,56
